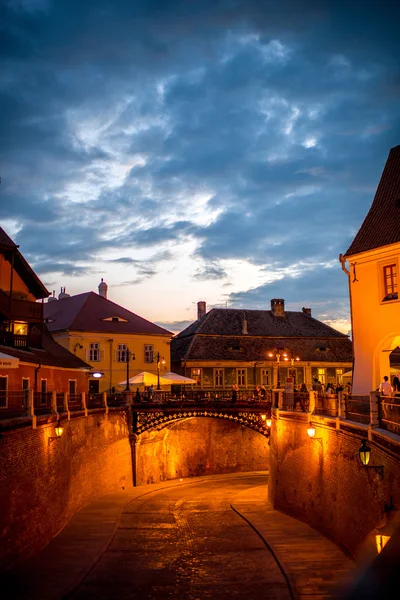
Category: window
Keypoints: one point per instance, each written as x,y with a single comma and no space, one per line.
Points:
390,282
20,328
72,387
264,377
339,376
241,376
25,391
121,352
322,376
43,391
94,352
196,374
3,392
148,353
219,377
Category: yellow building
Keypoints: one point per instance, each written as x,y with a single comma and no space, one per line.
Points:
372,266
114,341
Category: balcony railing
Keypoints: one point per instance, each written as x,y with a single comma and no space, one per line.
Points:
351,407
20,310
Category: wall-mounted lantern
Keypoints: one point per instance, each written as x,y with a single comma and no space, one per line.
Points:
58,430
268,422
365,454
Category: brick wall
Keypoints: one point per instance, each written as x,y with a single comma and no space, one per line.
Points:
324,483
199,446
43,483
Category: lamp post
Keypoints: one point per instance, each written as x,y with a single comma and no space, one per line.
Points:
277,355
128,356
159,360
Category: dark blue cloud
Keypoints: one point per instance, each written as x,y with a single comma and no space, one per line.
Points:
120,117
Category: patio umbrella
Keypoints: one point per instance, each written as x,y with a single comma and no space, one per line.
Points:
175,378
145,378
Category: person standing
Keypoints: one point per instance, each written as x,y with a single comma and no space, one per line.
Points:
235,389
396,384
385,387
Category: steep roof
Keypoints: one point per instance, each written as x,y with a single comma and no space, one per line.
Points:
86,312
27,274
218,335
229,321
381,226
52,354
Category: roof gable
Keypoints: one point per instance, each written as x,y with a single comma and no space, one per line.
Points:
381,225
91,312
10,250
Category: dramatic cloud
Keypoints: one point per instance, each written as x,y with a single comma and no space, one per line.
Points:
224,151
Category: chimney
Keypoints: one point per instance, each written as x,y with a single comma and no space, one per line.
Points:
306,311
201,309
244,330
103,287
63,294
278,307
53,297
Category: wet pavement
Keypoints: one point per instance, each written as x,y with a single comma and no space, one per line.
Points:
214,537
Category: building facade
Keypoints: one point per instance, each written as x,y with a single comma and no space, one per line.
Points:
372,267
117,343
29,357
260,347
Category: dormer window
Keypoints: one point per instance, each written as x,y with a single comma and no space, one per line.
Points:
116,319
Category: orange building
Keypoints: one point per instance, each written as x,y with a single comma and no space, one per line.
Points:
30,359
372,266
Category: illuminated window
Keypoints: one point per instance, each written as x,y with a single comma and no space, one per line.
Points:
219,377
390,282
196,375
339,376
20,328
322,376
148,353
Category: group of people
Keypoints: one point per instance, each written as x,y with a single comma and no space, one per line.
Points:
386,388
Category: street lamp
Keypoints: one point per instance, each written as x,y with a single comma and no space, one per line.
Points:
159,359
277,355
128,356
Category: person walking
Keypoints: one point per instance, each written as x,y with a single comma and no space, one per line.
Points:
386,388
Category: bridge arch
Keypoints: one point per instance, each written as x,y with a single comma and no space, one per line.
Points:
159,419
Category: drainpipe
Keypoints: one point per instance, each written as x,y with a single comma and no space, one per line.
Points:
36,376
111,354
342,260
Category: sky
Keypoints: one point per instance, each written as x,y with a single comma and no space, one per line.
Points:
217,150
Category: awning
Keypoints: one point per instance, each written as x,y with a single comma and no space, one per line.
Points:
8,362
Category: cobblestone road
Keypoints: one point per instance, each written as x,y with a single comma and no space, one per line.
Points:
187,543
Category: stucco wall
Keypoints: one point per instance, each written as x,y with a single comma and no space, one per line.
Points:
324,484
199,446
43,483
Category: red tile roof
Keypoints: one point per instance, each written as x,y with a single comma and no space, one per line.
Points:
86,312
27,274
381,226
